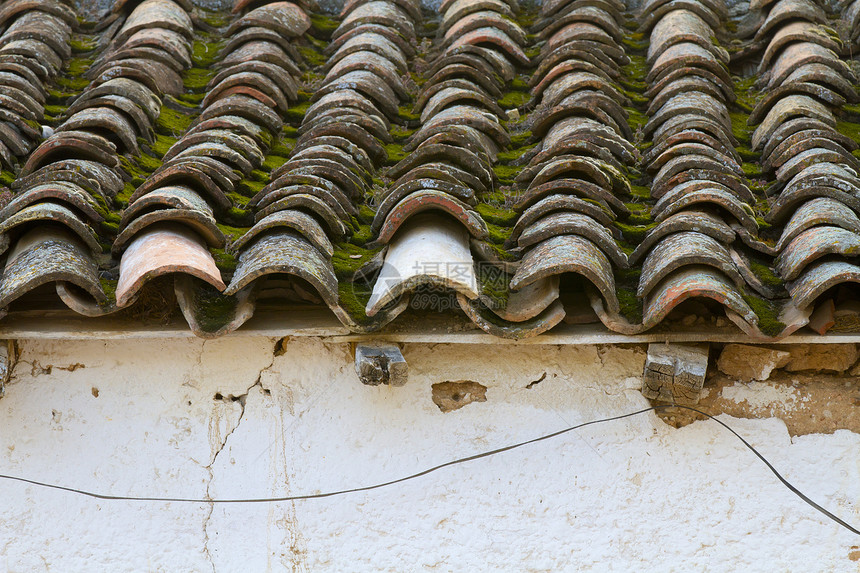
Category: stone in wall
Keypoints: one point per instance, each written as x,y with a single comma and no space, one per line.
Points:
745,362
821,357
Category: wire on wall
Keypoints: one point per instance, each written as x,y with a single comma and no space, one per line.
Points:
479,456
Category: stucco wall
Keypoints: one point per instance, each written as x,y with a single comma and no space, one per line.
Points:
230,418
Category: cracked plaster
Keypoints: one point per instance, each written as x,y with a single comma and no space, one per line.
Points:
605,497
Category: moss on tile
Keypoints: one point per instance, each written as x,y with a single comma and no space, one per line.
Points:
273,162
751,169
633,234
740,129
296,112
162,144
746,93
630,306
322,26
497,215
635,119
213,309
849,129
765,273
248,188
204,52
514,98
191,99
395,154
196,79
767,313
635,42
514,153
506,173
348,258
494,283
313,57
498,234
172,123
353,299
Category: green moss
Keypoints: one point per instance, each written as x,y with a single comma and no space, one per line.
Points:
765,274
213,310
362,235
633,233
849,129
214,19
404,113
366,214
746,94
204,54
273,162
748,154
191,100
189,107
640,214
322,25
400,133
494,283
514,99
498,234
6,177
635,119
630,306
259,176
740,129
161,144
108,228
353,298
109,288
77,67
172,123
281,148
506,173
395,154
636,42
248,188
496,215
417,78
640,191
147,164
506,157
767,313
54,111
751,169
82,44
348,258
196,79
296,113
313,58
72,85
636,70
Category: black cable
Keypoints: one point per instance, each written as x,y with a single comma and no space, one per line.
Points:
489,453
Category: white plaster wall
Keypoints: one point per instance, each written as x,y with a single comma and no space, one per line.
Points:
628,495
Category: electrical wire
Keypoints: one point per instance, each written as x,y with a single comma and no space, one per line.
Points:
479,456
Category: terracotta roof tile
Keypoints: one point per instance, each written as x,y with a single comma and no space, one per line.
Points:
483,158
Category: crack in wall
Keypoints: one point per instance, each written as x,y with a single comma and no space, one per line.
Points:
241,399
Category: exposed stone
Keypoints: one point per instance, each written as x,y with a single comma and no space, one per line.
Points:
380,364
745,362
675,372
829,357
449,396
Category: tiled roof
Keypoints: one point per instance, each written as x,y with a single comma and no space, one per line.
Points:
576,161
